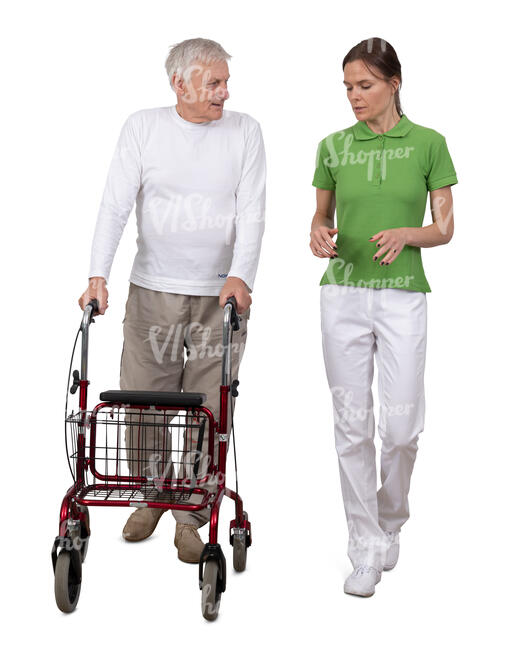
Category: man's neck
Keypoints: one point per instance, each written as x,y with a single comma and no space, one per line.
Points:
187,118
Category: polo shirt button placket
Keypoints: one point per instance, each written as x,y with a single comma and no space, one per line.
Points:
377,174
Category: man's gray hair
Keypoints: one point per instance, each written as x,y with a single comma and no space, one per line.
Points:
183,55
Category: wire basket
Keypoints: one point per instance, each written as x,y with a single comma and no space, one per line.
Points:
124,455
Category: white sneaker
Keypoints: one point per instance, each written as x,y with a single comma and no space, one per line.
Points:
362,581
393,550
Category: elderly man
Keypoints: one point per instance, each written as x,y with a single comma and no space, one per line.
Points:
197,174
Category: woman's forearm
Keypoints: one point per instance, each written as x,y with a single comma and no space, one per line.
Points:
426,236
321,218
325,209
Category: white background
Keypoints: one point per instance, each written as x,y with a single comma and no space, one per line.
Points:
71,74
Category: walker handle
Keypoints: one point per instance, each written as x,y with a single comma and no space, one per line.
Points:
234,313
231,322
87,319
94,304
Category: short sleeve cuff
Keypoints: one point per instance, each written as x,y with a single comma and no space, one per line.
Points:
323,186
443,182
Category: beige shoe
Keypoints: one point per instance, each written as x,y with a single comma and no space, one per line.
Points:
141,524
188,542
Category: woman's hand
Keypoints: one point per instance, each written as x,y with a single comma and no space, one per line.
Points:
322,244
390,243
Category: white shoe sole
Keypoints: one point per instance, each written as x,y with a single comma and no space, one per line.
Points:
353,593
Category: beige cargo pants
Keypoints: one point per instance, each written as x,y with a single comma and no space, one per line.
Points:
157,328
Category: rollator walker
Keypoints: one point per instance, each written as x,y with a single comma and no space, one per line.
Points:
124,453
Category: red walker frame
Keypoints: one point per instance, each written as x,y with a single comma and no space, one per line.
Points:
74,525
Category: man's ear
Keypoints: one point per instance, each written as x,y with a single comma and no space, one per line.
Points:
178,85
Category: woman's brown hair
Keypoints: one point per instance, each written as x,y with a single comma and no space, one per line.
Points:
379,54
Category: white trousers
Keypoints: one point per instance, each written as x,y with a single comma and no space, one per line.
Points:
357,322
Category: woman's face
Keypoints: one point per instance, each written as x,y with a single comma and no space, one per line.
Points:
369,95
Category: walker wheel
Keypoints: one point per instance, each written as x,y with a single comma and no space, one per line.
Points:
239,548
66,583
239,551
210,594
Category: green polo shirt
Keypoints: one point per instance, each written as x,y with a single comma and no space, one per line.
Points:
381,181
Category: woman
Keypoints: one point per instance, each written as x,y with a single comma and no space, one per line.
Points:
376,175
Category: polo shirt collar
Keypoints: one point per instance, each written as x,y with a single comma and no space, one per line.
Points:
363,132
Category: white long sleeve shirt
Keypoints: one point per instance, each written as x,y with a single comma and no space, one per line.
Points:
200,201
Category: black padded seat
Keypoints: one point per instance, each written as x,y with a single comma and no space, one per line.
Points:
153,398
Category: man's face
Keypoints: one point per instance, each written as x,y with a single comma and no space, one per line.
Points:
202,98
